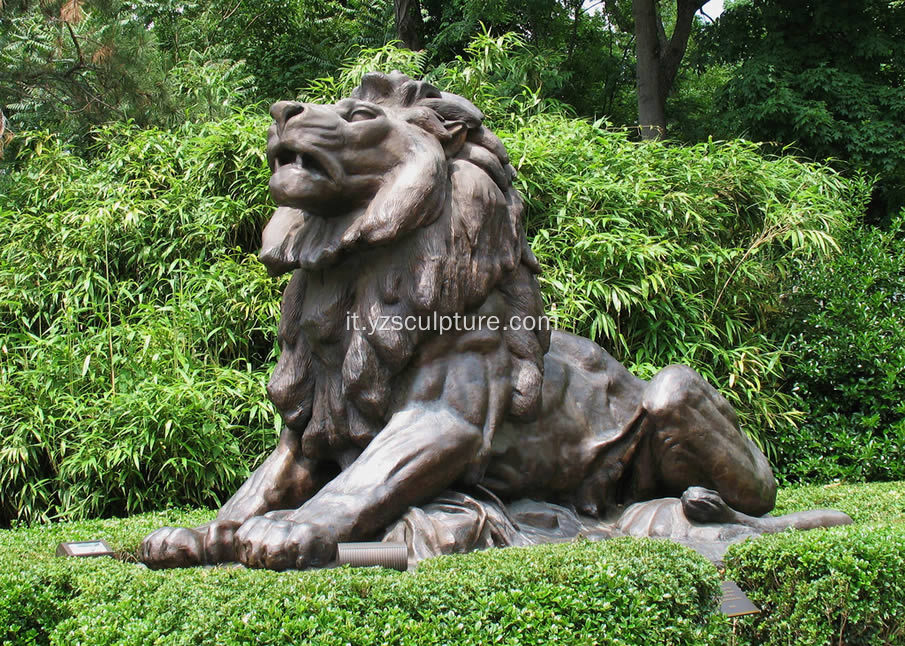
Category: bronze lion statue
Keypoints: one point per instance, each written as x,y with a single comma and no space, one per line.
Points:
424,396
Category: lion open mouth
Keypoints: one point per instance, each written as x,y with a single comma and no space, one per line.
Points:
301,160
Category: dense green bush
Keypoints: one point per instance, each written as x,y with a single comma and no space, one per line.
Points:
792,83
847,328
837,586
502,75
669,254
137,330
620,592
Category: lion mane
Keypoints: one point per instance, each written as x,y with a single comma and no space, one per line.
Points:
442,235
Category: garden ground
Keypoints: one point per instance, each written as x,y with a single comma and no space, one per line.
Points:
842,585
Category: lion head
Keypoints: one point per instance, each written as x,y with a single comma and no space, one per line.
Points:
394,202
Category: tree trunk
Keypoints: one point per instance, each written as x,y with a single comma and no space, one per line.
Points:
651,94
409,23
658,59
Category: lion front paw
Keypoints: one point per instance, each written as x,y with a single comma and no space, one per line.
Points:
181,547
276,544
172,547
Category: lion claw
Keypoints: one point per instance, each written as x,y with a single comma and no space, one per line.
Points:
172,547
276,544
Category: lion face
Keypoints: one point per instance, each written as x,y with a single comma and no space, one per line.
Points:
329,159
349,175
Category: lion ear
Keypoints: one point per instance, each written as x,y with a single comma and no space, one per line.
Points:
457,131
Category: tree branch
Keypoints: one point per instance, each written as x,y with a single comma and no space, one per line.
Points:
671,55
229,13
78,50
574,39
409,23
662,41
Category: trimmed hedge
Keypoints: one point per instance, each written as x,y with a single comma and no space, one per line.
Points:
812,586
623,591
865,503
844,585
839,586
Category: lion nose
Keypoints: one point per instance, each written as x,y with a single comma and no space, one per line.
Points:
283,111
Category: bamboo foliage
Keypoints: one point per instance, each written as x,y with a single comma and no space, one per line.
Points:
137,324
668,254
137,327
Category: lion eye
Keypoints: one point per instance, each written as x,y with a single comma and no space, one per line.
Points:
361,115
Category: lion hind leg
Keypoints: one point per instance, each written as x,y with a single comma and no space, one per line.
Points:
692,439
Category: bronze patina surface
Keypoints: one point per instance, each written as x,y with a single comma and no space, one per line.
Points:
396,214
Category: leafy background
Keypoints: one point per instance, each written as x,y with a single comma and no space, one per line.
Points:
138,327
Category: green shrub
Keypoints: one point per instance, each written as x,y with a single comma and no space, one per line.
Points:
865,503
841,585
792,83
505,76
137,330
847,328
617,592
624,591
668,254
837,586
